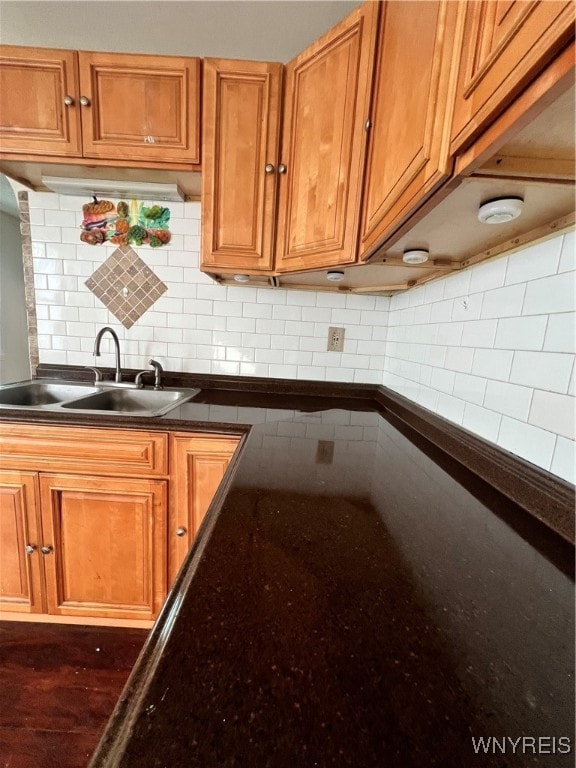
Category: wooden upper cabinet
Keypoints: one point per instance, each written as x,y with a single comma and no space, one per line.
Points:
198,466
408,153
106,538
99,105
240,147
140,107
505,45
327,98
38,101
20,580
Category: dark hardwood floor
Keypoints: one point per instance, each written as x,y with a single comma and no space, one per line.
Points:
58,687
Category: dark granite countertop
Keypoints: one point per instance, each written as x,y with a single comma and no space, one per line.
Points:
354,598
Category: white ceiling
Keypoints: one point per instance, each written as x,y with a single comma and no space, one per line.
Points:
268,30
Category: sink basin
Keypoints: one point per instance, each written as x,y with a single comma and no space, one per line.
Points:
34,394
137,402
88,398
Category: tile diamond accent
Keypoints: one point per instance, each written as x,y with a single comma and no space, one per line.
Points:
126,285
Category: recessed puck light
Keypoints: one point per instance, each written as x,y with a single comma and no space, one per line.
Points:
501,210
335,276
242,278
415,256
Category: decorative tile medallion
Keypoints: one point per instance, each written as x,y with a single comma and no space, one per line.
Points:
126,285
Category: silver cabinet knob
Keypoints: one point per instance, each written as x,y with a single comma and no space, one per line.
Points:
181,532
31,548
46,550
282,168
269,168
68,100
84,101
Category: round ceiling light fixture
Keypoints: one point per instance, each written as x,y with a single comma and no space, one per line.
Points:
242,278
415,256
335,276
501,210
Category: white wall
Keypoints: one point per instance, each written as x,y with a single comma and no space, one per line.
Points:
14,359
197,325
492,348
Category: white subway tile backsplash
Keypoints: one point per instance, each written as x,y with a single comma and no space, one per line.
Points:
564,460
441,311
311,372
271,296
503,302
542,370
526,333
561,333
568,253
224,367
534,261
316,314
59,218
254,369
479,333
549,295
283,371
312,344
554,412
509,399
223,308
244,295
48,266
531,443
209,322
257,310
487,276
469,388
63,313
481,421
459,359
457,284
343,317
451,408
492,363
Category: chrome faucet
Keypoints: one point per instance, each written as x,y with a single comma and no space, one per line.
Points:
112,332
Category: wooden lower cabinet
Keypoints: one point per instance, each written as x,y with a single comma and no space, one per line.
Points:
20,573
106,539
198,464
88,543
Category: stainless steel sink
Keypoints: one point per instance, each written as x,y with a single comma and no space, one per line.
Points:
137,402
35,394
90,398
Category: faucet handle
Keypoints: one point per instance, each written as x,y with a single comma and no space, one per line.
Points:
97,373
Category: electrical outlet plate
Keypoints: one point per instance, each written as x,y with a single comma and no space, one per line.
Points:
335,340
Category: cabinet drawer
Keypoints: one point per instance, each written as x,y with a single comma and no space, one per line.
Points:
79,450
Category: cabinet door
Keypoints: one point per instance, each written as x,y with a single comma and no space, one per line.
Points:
107,539
35,86
20,582
323,145
198,465
140,107
241,119
408,154
505,44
